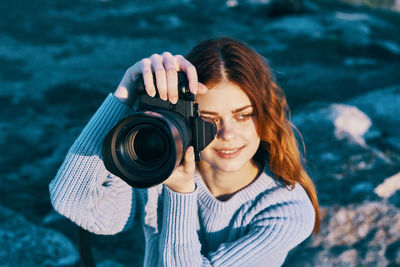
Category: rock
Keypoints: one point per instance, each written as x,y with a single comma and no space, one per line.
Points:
389,186
354,235
61,224
341,145
393,252
362,187
342,121
393,143
349,257
395,199
350,123
387,4
25,244
383,107
335,138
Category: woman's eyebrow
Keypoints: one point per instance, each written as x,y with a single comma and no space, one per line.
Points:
233,111
241,109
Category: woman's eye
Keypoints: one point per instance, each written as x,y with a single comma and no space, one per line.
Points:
244,117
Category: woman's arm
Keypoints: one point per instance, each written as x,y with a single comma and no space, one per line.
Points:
179,242
271,234
83,190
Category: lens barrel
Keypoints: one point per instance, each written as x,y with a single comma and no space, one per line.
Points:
145,148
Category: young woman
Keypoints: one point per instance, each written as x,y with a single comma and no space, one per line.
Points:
247,202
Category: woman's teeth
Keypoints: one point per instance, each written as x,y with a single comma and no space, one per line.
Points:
228,151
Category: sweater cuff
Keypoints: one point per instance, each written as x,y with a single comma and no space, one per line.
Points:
109,113
180,217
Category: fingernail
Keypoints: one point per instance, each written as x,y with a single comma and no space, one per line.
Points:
173,99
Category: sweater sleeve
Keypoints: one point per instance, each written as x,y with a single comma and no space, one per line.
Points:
83,190
270,235
179,242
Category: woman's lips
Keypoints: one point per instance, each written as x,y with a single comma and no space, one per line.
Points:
228,153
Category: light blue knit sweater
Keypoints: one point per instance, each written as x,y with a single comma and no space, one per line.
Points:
256,227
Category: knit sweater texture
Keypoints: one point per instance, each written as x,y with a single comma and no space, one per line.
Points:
257,226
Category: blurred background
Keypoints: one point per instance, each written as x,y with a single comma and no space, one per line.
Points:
337,61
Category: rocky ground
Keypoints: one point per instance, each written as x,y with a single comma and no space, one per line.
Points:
338,64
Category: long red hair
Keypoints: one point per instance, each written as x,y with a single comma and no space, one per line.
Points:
226,58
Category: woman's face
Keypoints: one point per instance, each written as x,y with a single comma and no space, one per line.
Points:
237,140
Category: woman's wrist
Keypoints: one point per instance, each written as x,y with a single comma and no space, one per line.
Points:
122,95
183,188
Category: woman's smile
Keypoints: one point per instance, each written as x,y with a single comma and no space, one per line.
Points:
228,153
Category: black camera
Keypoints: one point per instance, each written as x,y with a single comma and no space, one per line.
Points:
144,148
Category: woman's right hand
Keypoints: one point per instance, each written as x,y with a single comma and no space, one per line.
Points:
165,67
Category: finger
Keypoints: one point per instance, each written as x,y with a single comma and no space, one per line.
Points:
161,80
202,89
129,77
136,68
122,91
170,67
189,164
190,71
147,76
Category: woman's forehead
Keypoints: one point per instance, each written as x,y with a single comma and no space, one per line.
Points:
224,96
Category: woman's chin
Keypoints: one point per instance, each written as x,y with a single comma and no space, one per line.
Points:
224,162
227,165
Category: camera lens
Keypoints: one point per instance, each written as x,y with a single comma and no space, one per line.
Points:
145,148
147,144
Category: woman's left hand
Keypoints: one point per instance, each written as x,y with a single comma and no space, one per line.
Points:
181,180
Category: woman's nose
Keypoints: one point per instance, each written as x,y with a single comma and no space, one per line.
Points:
225,130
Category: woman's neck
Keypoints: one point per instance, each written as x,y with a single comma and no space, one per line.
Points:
223,185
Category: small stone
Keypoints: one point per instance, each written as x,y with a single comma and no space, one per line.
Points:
349,257
389,186
350,122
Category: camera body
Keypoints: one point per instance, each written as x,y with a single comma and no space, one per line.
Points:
144,148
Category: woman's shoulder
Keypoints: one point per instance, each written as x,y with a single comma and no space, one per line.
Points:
280,195
277,187
288,207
